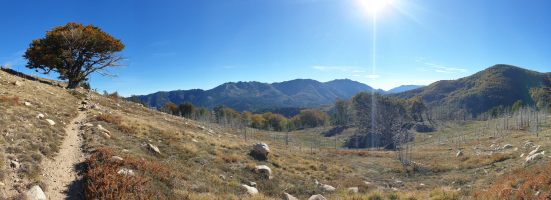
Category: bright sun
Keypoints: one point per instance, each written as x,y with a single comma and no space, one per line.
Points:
374,7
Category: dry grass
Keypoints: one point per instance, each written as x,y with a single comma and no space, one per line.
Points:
24,137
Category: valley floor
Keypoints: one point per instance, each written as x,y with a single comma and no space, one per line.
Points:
132,152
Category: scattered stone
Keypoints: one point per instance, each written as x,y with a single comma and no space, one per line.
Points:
84,102
153,148
194,140
260,151
14,164
521,155
507,146
2,184
325,187
222,177
353,189
88,125
252,184
250,190
287,196
51,122
534,157
18,83
317,197
40,116
126,172
529,144
421,184
36,193
459,153
105,133
116,159
26,103
263,170
535,150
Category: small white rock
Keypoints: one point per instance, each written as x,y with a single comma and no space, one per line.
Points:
51,122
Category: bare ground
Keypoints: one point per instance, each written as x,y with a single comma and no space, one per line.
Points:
61,173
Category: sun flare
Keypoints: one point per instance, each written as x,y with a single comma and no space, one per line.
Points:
374,7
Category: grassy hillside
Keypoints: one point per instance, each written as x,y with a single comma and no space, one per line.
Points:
499,85
205,161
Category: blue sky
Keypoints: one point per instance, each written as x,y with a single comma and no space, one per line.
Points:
184,44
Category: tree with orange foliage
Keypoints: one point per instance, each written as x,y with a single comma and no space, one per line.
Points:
74,51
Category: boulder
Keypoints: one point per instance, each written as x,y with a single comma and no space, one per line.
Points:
51,122
534,157
264,171
105,133
287,196
325,187
528,144
260,151
317,197
36,193
507,146
353,189
535,150
153,148
250,190
459,153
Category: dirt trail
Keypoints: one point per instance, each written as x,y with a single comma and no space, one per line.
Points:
61,173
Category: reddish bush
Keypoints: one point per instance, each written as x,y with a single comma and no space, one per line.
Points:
103,182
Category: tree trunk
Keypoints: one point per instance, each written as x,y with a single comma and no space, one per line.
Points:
73,84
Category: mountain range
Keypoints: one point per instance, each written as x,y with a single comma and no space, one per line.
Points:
497,86
254,96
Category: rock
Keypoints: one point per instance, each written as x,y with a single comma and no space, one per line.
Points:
528,144
88,125
263,170
84,102
353,189
317,197
153,148
252,184
535,150
125,172
399,183
2,184
105,133
51,122
260,151
116,159
18,83
287,196
194,140
507,146
459,153
26,103
250,190
325,187
14,164
36,193
521,155
40,116
534,157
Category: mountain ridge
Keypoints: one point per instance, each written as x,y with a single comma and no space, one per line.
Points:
497,86
254,95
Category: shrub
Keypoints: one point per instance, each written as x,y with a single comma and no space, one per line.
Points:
102,181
